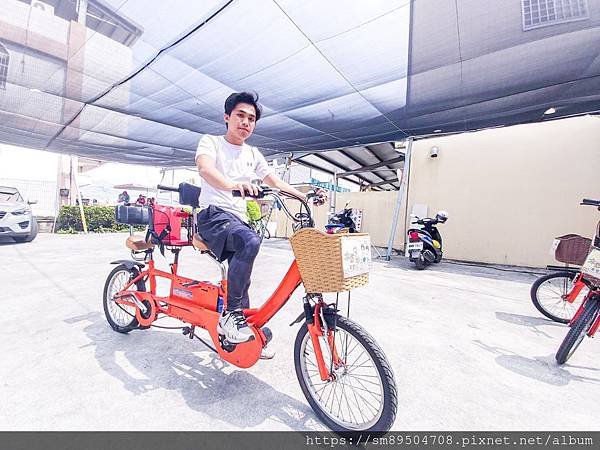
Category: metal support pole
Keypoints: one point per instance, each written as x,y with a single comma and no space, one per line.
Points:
402,193
82,6
172,184
333,196
81,211
287,173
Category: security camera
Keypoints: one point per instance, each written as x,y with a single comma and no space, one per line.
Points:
434,152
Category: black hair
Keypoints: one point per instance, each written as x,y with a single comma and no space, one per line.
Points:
242,97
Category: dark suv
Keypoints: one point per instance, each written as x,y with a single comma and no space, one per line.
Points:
16,218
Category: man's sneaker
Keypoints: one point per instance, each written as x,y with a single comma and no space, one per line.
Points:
232,324
267,353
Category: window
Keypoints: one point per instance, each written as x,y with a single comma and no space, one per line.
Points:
4,57
541,13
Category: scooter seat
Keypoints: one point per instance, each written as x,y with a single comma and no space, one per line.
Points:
138,243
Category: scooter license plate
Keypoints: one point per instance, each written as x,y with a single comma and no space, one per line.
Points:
414,246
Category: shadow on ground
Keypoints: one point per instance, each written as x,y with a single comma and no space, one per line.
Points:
506,273
146,360
540,368
8,241
528,321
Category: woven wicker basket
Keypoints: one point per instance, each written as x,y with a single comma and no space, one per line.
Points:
590,268
572,249
319,258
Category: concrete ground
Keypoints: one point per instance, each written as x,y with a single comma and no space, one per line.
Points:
469,350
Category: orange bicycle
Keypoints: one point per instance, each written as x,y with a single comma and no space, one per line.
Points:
586,320
559,294
342,372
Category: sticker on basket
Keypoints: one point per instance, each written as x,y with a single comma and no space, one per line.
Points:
554,246
591,266
356,255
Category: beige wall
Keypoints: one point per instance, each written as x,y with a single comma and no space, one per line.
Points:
378,209
509,191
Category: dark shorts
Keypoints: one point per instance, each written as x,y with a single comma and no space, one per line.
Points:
215,225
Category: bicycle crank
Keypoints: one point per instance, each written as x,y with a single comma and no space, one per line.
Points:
147,316
225,344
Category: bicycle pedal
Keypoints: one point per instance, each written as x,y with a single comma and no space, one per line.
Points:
225,344
268,334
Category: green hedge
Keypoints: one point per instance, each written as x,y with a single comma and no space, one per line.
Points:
100,219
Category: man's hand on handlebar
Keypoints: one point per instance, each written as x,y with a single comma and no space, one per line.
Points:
244,189
318,196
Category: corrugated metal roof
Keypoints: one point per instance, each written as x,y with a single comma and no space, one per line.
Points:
374,166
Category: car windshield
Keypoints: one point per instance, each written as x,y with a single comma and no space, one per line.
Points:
10,195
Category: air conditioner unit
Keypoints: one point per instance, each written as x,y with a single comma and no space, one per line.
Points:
41,6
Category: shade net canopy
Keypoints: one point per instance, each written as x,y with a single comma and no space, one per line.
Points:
140,81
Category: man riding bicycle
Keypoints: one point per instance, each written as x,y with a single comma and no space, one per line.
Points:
226,163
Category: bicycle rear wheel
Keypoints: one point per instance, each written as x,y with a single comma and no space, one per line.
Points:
121,317
578,330
548,294
362,396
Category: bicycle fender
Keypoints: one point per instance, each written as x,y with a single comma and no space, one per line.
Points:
299,319
130,264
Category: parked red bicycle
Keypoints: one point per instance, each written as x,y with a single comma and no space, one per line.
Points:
342,372
560,293
586,320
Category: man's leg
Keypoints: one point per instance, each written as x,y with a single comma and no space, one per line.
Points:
243,245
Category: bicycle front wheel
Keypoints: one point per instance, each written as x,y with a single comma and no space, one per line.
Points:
549,293
578,330
361,396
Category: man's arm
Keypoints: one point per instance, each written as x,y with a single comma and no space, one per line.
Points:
274,181
210,174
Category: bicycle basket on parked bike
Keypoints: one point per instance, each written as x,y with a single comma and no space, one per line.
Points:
572,249
332,262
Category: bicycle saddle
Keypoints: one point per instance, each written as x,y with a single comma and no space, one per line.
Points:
199,244
138,243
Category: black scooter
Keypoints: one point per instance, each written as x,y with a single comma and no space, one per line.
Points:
343,221
424,245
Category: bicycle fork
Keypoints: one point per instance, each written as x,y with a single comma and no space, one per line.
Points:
577,287
319,329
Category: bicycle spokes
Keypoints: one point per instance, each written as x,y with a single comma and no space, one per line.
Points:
121,312
352,394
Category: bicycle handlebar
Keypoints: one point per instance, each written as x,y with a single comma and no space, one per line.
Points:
162,187
299,218
265,190
590,202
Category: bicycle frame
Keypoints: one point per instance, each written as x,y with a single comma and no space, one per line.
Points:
577,287
195,302
336,345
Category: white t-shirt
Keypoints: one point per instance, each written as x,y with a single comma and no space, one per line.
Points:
239,163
